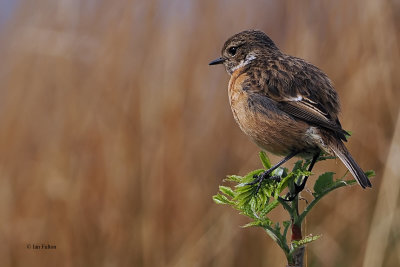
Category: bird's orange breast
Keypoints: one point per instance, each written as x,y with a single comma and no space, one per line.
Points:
273,131
238,99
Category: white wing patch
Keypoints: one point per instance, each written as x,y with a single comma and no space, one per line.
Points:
308,103
298,98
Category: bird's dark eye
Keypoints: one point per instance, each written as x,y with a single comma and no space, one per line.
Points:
232,50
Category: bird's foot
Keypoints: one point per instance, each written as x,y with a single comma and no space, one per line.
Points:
260,178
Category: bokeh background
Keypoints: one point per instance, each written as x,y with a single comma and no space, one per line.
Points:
115,133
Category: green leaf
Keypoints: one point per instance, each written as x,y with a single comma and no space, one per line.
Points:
243,187
254,223
262,197
286,225
265,160
226,190
285,182
298,165
221,199
273,235
370,173
323,182
260,223
243,198
277,227
304,241
345,182
268,208
322,158
234,178
254,205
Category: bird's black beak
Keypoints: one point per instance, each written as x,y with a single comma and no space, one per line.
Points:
217,61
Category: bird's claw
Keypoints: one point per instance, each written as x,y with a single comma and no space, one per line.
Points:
259,178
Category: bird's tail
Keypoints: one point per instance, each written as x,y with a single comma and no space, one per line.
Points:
344,155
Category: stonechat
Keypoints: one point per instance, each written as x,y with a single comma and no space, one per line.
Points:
286,105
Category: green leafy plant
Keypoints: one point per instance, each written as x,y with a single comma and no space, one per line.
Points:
258,205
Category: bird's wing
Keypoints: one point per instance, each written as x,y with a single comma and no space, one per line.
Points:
304,92
305,110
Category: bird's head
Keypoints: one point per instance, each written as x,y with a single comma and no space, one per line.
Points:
244,48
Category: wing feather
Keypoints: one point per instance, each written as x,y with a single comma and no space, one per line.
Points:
302,91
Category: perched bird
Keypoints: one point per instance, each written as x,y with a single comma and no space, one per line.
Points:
284,104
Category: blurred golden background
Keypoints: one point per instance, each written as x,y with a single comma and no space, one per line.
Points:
115,133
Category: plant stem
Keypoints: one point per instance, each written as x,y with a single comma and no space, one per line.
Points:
297,257
297,254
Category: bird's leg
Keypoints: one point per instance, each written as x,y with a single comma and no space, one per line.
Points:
262,176
298,188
